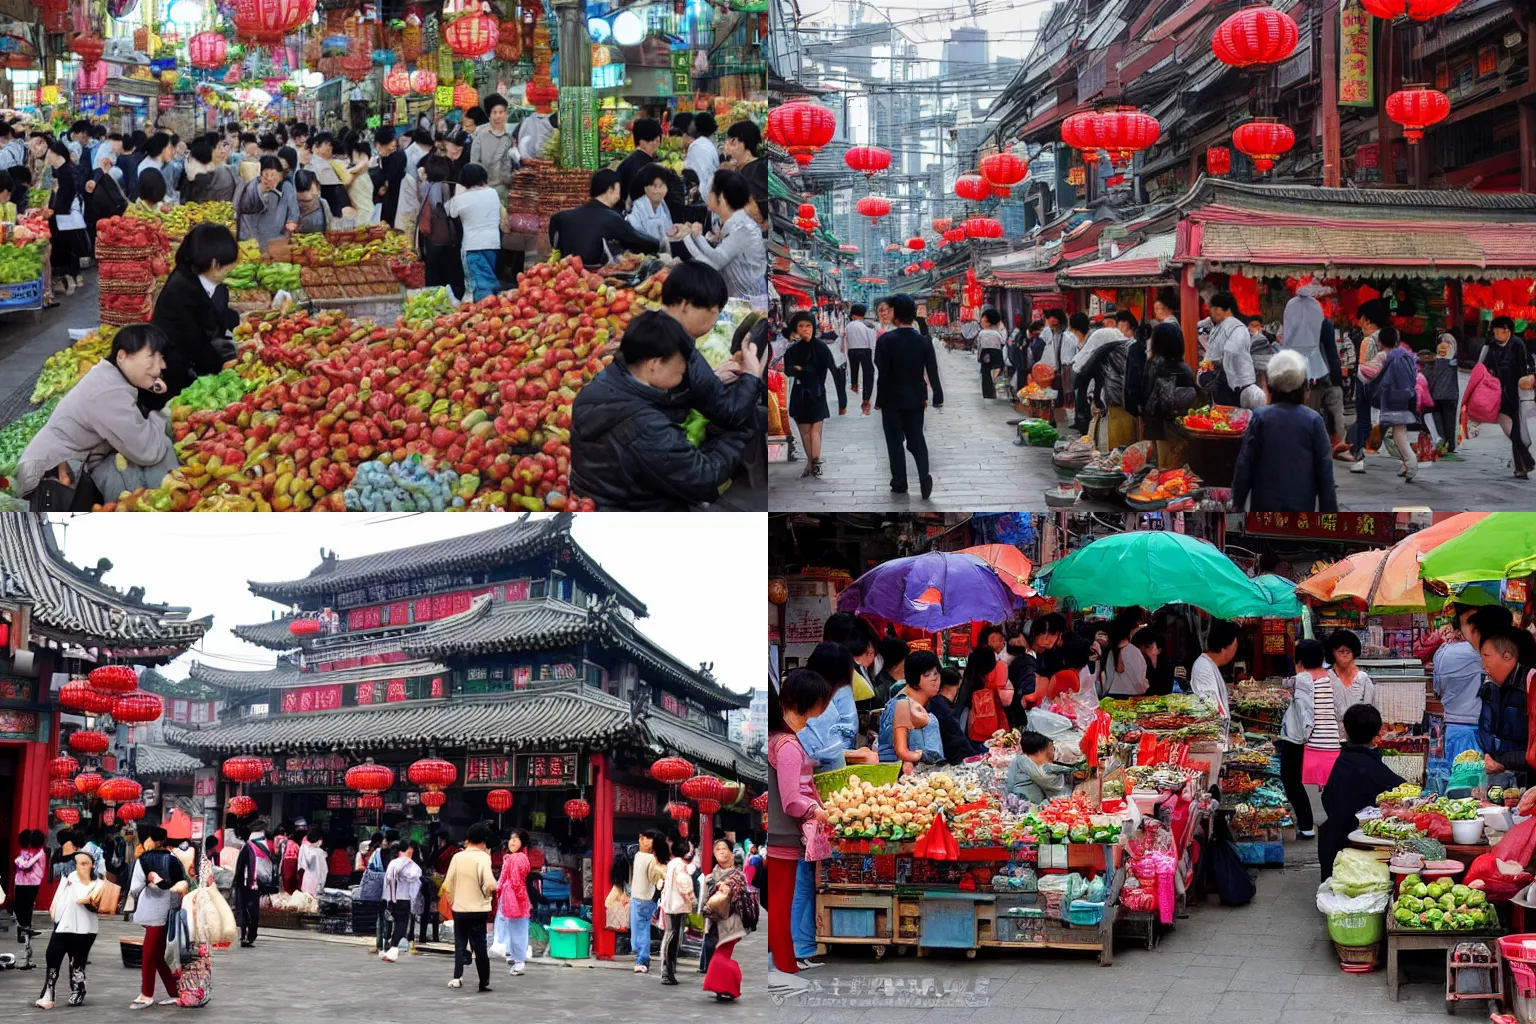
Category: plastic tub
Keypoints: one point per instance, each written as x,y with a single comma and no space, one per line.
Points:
1467,833
1356,929
570,938
1084,914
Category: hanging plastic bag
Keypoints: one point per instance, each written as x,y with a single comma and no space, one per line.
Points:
1331,902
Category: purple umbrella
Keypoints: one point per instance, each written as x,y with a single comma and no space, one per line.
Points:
933,591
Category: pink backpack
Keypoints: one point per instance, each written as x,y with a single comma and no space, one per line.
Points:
1483,395
1421,387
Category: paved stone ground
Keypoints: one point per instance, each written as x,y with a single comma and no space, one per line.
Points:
976,465
24,345
291,976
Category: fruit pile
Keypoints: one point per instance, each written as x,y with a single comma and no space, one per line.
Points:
485,391
1215,419
425,306
176,221
211,392
1165,485
415,485
316,250
1442,906
270,277
64,368
133,233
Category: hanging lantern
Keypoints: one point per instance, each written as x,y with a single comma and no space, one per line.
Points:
916,244
1074,132
973,187
499,800
806,225
87,783
778,590
1255,36
873,207
304,627
983,227
1264,141
1124,131
63,767
927,264
678,811
801,128
241,806
1218,160
671,770
207,50
1005,170
88,48
541,95
868,160
942,224
682,829
433,801
760,802
577,809
78,695
701,787
119,791
369,777
955,234
61,789
432,773
114,679
137,708
465,96
357,66
1416,107
91,81
423,81
133,810
89,742
267,22
370,802
707,806
244,769
398,82
472,35
68,815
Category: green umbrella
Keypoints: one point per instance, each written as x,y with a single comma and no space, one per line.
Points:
1283,603
1154,568
1501,546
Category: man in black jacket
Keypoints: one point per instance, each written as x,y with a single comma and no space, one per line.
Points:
584,230
392,165
902,358
248,885
1357,777
647,135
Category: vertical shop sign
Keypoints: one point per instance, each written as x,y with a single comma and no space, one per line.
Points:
1357,65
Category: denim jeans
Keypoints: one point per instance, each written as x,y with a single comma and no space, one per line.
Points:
802,918
480,267
512,935
640,914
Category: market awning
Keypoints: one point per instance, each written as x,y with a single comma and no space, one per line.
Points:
1026,280
792,287
1146,263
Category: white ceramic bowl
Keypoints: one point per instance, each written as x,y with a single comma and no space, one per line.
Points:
1467,833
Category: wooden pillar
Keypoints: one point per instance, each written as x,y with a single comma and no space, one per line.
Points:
1333,160
602,853
1528,124
1386,81
706,839
1453,313
1189,316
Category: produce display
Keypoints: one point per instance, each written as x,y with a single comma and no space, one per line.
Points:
16,435
1442,906
1165,485
22,262
132,232
1037,432
423,307
211,392
1171,712
1389,828
349,248
415,485
897,810
176,221
1509,796
1402,791
1454,810
65,367
1215,419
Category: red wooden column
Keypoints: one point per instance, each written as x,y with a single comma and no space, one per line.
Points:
1332,158
29,797
706,838
1387,76
602,854
1189,316
1528,126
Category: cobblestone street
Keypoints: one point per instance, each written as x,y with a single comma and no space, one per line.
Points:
977,465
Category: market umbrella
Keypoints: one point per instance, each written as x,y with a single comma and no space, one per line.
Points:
1281,592
1154,568
1393,584
1501,546
1010,565
1321,585
931,591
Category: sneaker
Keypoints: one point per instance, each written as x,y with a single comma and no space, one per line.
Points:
642,969
517,969
667,979
391,954
1305,835
1358,466
456,983
807,964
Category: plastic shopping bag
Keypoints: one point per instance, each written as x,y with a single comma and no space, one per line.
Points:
1331,902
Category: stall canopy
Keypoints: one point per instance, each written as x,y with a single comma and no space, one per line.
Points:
1387,581
1502,546
931,591
1144,264
1009,563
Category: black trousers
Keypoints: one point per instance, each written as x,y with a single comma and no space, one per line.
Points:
904,426
77,946
443,266
469,937
400,924
26,899
991,359
429,911
1295,792
247,912
1445,422
862,358
1522,452
672,941
711,939
840,378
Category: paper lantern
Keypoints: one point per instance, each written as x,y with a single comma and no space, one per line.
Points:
207,50
472,35
423,81
61,789
398,82
873,207
78,695
133,810
442,96
1264,141
1124,131
760,802
137,708
577,809
927,264
707,806
1255,36
87,783
89,742
63,767
465,96
244,769
357,66
369,777
1416,107
113,679
88,48
433,801
267,22
1218,160
499,800
941,224
119,791
370,802
973,187
983,227
91,80
868,160
1074,132
304,627
678,811
671,770
682,829
916,244
702,787
801,128
1005,169
540,95
67,815
241,806
432,773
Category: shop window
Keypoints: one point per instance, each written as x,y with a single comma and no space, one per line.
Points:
561,587
537,589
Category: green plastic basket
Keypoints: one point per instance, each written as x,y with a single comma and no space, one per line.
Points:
1356,929
828,783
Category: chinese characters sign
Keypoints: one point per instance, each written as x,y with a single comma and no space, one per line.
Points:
320,771
539,771
312,698
1273,634
1361,526
1357,70
629,802
487,771
674,706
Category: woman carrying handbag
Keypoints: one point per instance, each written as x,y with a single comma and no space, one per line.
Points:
75,927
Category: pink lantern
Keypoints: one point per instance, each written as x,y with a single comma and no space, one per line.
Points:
424,82
207,50
471,36
397,83
93,79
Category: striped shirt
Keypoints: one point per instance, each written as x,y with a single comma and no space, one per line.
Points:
1325,719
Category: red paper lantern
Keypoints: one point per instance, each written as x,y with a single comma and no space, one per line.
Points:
927,264
1264,142
63,767
357,66
61,789
432,773
983,227
760,802
89,742
942,224
973,187
304,627
873,207
244,769
801,128
1218,160
241,806
78,695
679,811
133,810
672,770
369,777
113,679
471,36
68,815
207,50
465,96
119,791
1418,10
88,48
137,708
577,809
266,22
916,244
806,225
1123,131
424,82
1005,169
499,800
1254,36
702,787
1416,107
540,96
433,801
87,783
868,160
956,234
707,806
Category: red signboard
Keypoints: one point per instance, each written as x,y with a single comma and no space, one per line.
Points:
959,643
312,698
487,771
672,705
1358,526
629,802
395,690
437,686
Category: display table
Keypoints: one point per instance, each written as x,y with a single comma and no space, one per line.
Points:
1400,938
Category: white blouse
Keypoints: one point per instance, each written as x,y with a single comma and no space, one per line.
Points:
652,222
69,915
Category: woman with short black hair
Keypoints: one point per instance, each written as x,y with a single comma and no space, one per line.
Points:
193,309
739,252
67,207
807,361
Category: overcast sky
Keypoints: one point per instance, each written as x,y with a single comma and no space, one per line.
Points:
701,576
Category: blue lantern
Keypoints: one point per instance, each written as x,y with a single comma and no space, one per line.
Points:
385,58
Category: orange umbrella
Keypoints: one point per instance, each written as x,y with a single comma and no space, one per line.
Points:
1010,565
1321,585
1393,583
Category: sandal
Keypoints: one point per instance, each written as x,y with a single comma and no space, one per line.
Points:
809,470
816,468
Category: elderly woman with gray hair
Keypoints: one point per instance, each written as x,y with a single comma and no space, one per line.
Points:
1285,463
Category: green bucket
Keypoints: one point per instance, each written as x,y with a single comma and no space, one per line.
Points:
570,938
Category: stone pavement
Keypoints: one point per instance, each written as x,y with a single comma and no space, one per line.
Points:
293,976
25,346
977,465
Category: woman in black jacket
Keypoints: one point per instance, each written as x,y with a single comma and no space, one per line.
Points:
1168,388
808,361
67,205
193,310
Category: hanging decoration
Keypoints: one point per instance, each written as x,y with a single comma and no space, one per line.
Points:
133,810
465,96
577,809
1416,107
1255,36
1218,161
868,160
79,695
63,767
499,800
244,769
89,742
423,82
472,35
118,791
1263,141
942,224
433,801
1004,171
398,82
207,50
983,227
916,244
369,777
113,679
802,129
304,627
88,48
61,789
241,806
357,66
137,708
973,187
87,783
370,802
267,22
67,815
1417,10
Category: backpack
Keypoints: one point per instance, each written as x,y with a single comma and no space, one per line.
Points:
433,222
1484,393
265,866
248,202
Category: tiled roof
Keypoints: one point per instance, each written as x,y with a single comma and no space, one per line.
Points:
489,625
567,714
152,761
281,675
644,650
1146,262
76,608
521,539
244,681
1364,201
714,752
272,635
